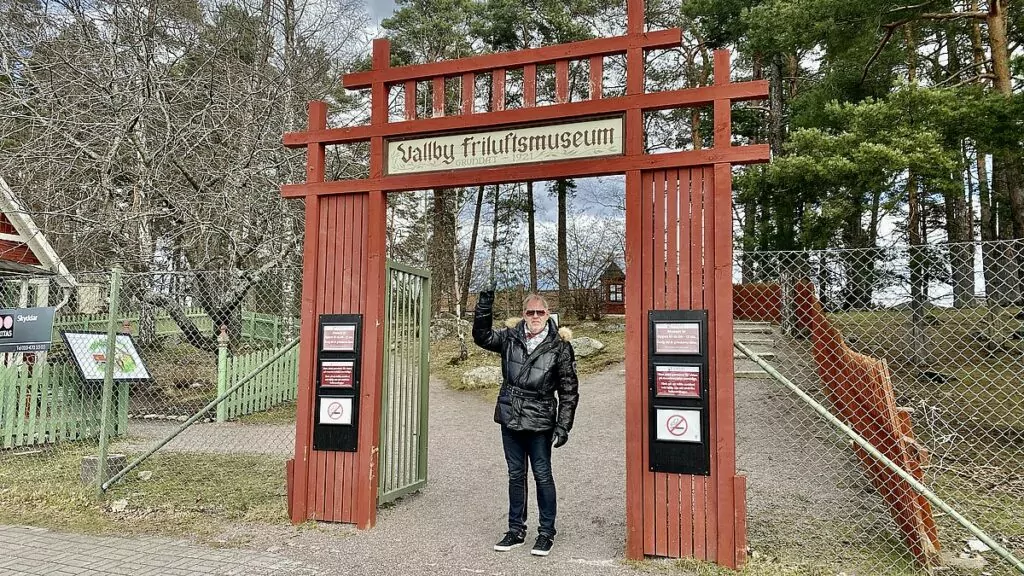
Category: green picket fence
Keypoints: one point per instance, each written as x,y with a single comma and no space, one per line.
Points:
277,384
50,404
255,325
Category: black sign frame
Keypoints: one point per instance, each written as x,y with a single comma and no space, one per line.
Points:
338,437
39,337
678,457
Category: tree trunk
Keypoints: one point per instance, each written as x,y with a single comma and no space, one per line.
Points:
1007,162
532,232
468,273
748,265
564,303
747,268
918,344
859,264
441,249
961,250
776,120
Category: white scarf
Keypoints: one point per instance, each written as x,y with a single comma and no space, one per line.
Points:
533,341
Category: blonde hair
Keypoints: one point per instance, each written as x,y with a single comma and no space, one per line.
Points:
532,297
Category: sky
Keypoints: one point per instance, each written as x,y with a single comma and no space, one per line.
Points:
379,9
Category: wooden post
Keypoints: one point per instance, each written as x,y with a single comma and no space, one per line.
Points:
222,373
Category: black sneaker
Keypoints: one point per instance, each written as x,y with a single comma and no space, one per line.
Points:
510,541
542,547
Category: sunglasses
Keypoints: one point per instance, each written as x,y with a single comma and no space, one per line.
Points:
536,312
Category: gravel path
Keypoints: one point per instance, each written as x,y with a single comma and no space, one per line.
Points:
801,479
451,525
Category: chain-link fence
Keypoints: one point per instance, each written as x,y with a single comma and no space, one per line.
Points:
180,341
919,350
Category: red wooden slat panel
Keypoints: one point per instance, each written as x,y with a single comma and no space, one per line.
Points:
658,186
355,282
685,241
726,429
438,93
672,252
317,457
529,85
657,190
709,295
686,515
335,258
17,252
740,518
699,518
697,271
674,496
679,486
344,303
485,62
5,225
561,81
410,100
636,382
468,85
596,77
647,298
660,519
498,90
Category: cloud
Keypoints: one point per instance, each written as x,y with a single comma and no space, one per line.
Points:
380,9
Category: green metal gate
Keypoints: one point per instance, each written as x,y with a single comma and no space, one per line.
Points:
403,422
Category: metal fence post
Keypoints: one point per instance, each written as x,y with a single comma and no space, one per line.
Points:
222,372
108,377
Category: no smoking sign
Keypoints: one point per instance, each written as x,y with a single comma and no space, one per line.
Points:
336,411
678,425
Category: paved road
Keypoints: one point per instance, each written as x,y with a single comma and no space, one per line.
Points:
39,551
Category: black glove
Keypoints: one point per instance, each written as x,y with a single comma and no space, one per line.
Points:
486,297
561,437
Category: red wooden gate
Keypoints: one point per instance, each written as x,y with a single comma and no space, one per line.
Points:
678,256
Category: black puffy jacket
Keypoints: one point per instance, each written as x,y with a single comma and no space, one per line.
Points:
530,381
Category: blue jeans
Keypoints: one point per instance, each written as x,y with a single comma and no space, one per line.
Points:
535,448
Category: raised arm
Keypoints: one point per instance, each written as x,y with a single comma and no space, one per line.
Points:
485,336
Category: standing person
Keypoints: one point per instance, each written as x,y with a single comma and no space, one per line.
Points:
537,362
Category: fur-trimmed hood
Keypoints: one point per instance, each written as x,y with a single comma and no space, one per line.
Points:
563,332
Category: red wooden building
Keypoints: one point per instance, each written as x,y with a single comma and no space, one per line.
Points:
26,257
613,290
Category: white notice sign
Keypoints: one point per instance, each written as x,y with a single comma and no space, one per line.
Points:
336,411
678,425
572,141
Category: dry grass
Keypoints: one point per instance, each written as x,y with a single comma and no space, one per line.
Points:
185,494
443,351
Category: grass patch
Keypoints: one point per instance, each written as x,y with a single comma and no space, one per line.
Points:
281,414
186,494
971,346
756,565
443,351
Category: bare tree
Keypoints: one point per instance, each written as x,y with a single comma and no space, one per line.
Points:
148,133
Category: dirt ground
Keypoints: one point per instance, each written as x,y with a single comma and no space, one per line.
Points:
808,503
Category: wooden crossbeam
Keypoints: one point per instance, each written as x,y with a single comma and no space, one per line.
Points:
687,97
487,62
